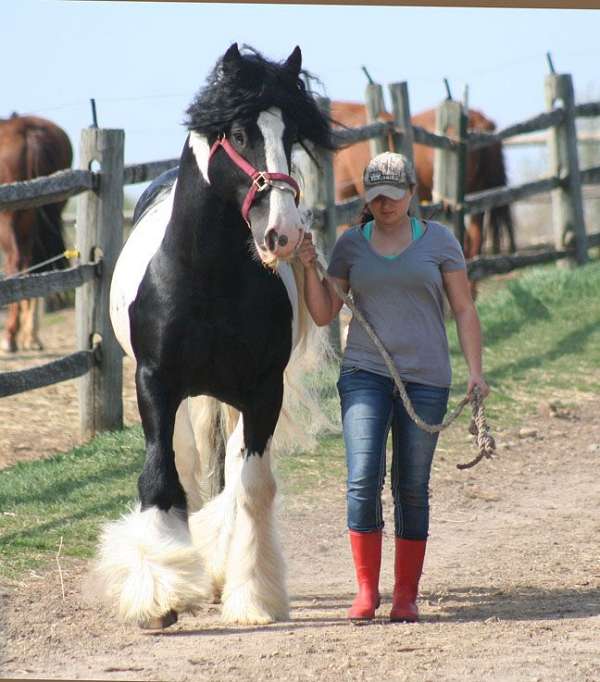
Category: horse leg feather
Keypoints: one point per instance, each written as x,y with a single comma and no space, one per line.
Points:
212,526
147,563
255,590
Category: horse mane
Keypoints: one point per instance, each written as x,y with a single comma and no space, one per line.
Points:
254,84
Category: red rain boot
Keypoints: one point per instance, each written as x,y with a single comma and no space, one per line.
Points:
366,553
408,566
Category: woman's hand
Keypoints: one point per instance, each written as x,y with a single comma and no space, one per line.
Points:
307,252
480,382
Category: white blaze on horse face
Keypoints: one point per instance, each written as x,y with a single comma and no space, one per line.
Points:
283,217
201,149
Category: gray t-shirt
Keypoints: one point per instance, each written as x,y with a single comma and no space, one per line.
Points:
402,299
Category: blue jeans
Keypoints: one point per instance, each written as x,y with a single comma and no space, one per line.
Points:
370,405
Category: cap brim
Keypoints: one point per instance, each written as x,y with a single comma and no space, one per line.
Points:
389,191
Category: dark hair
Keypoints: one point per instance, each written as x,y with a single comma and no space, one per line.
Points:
242,85
365,215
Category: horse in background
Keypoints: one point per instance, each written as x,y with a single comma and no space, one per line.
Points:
206,299
485,170
30,147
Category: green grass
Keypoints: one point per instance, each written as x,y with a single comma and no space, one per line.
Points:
542,341
65,496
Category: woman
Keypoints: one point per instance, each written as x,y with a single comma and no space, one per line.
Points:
398,269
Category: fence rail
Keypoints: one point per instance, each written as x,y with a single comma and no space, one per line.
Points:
46,283
484,266
543,121
142,172
477,202
49,189
70,367
60,186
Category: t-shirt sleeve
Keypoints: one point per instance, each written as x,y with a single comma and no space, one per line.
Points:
452,257
339,265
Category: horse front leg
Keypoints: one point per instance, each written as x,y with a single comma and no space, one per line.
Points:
149,567
254,591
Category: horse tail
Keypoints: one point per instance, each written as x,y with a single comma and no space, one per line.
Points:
41,159
202,428
500,216
302,417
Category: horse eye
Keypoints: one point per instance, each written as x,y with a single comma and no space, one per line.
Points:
239,137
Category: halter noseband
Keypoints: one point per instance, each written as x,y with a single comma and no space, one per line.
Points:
261,180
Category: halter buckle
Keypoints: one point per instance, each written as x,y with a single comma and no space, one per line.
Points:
260,181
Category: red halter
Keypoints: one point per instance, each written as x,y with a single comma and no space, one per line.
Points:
261,180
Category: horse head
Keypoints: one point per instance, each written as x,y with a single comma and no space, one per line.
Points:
243,126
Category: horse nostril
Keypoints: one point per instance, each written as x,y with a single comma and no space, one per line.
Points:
271,240
283,240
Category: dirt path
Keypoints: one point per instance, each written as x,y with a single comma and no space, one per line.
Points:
511,589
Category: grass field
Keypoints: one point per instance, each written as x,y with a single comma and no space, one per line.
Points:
542,341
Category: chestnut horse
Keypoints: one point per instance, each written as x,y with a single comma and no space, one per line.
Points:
30,147
485,169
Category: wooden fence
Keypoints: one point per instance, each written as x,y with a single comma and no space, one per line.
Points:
99,238
99,226
564,181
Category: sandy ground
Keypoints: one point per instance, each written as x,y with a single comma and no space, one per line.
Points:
50,415
511,589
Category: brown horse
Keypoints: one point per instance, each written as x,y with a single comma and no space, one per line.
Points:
30,147
485,169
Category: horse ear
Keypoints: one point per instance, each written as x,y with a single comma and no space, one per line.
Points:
294,62
232,58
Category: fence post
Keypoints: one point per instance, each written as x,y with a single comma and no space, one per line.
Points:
326,201
567,201
449,166
100,234
375,106
404,143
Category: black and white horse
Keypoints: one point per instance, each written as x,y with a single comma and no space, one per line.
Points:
207,301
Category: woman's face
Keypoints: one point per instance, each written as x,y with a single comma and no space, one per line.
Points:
388,211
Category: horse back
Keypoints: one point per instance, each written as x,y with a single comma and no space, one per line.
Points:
155,192
31,146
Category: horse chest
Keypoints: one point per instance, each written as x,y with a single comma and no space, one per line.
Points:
219,336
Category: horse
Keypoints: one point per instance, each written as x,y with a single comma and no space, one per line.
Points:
30,147
207,298
485,170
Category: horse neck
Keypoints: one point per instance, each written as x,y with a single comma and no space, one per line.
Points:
204,229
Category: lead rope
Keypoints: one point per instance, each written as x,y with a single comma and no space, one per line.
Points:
478,426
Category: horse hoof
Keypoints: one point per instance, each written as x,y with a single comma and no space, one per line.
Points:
161,622
33,345
8,346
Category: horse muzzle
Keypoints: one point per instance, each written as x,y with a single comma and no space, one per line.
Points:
282,243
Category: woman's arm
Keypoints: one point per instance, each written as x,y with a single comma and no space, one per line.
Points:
321,300
458,292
